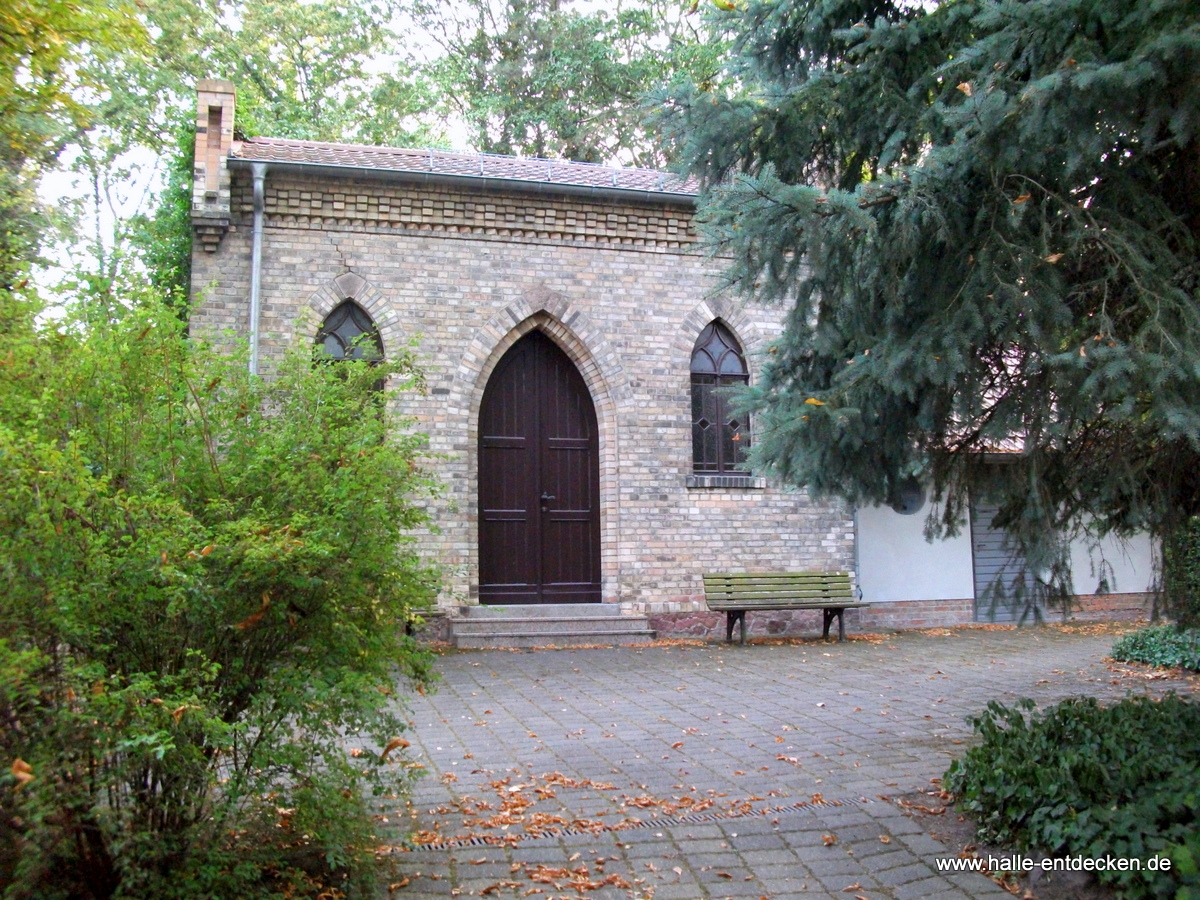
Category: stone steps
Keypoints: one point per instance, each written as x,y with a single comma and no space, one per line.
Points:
559,625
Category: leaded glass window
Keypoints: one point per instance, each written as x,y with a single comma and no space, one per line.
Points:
720,437
349,333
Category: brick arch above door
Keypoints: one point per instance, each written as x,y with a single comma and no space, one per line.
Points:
570,327
601,371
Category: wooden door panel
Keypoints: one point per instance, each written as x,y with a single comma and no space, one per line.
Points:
506,573
507,519
539,531
570,526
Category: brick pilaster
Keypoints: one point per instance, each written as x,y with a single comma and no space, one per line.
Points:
210,177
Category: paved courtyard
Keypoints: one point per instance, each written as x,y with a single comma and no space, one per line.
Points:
707,772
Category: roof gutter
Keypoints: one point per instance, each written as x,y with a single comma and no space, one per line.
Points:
476,182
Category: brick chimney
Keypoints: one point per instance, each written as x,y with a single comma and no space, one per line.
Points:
210,177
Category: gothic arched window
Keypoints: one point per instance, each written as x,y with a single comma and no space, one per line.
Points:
349,333
720,438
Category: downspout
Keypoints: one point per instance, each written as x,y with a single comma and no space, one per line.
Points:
258,172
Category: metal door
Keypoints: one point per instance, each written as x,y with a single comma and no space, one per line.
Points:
539,480
999,568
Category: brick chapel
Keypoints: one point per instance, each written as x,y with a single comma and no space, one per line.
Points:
574,343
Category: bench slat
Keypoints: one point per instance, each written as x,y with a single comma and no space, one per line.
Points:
778,596
840,602
779,590
806,587
772,577
814,589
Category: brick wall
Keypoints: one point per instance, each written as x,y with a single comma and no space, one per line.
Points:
1113,607
710,626
699,623
621,287
915,614
680,621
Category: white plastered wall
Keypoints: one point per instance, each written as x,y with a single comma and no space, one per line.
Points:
1129,565
895,562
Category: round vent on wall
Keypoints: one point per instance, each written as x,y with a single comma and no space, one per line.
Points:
911,497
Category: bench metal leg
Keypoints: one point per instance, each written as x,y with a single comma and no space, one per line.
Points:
731,616
829,614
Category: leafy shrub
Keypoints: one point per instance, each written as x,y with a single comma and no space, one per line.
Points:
1080,779
204,581
1165,645
1185,858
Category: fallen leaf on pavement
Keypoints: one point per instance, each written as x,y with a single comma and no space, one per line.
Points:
393,744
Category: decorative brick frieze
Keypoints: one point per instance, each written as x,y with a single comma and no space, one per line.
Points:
328,202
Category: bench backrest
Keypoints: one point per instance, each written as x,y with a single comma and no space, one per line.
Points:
748,589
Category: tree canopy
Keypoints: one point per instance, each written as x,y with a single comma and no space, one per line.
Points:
550,79
42,46
984,215
528,77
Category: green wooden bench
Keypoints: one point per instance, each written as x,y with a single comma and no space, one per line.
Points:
735,594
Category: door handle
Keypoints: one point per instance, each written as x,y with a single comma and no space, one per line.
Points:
546,498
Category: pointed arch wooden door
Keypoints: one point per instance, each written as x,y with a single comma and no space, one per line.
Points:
539,480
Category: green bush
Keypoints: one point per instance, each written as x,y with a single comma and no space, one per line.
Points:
205,580
1185,859
1080,779
1165,645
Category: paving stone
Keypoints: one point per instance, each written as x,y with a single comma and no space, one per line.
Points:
782,872
901,825
675,891
768,857
839,865
924,845
914,871
878,862
749,842
740,889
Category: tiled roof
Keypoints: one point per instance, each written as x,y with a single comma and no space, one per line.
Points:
466,165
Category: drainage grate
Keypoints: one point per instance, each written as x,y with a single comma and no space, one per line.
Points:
694,819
